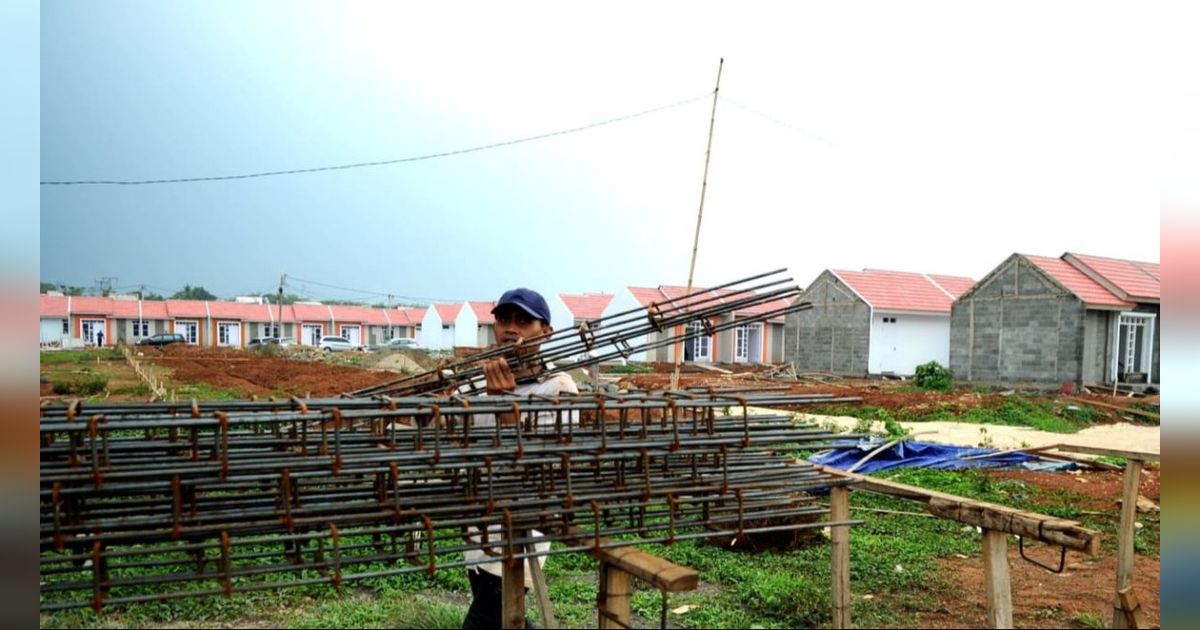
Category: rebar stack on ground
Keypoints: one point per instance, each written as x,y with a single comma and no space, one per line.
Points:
620,335
153,501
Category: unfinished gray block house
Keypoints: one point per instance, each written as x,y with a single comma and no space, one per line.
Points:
1081,319
873,322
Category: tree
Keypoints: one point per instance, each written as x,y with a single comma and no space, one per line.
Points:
66,290
188,292
152,296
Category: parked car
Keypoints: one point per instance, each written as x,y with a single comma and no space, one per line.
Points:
271,341
162,339
337,344
402,343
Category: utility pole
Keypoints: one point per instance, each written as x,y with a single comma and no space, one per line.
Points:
141,291
699,215
279,325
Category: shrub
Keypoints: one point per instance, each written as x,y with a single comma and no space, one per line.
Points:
934,376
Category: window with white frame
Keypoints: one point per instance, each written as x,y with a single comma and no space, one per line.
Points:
741,345
270,330
141,328
66,326
700,343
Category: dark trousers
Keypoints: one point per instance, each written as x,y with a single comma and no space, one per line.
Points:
486,602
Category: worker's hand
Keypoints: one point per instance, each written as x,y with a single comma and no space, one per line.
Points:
500,379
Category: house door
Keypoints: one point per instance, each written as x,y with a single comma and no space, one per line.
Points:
888,338
700,347
311,335
353,333
189,330
229,333
91,328
1134,348
755,343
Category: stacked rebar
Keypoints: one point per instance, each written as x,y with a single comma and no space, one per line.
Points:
156,501
620,335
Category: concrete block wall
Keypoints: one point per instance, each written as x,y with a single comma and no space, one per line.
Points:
1017,326
834,335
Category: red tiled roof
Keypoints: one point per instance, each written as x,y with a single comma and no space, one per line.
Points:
448,312
349,314
1134,279
407,316
483,311
91,305
586,306
311,312
1086,289
186,308
898,290
675,296
954,285
52,305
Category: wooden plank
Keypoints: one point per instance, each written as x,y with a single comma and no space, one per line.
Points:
614,598
1125,550
512,595
996,580
1128,602
1144,456
653,570
1137,412
1047,529
1030,525
839,510
542,592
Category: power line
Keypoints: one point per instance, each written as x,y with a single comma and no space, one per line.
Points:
781,123
339,167
394,296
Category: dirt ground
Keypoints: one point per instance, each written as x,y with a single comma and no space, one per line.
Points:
251,374
888,394
1045,599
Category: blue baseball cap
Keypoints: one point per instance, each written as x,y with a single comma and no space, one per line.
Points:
529,300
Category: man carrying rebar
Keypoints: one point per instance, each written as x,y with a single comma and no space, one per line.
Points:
521,315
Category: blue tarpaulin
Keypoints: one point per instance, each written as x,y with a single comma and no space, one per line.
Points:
927,455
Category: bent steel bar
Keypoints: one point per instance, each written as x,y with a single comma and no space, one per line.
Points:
156,501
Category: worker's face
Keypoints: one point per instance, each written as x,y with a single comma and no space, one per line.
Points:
512,323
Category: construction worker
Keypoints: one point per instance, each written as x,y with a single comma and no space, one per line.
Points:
521,314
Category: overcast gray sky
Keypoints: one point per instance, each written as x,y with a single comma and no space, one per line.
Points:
921,137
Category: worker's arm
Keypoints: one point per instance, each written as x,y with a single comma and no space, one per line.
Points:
500,380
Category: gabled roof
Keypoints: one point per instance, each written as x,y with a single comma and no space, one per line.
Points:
91,305
128,309
1128,279
186,308
311,312
903,290
483,311
448,312
1091,292
954,285
52,305
348,314
407,316
586,306
678,296
242,312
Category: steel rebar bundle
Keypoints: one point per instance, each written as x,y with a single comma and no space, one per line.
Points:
151,501
619,335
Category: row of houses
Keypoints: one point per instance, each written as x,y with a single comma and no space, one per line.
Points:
1082,319
74,320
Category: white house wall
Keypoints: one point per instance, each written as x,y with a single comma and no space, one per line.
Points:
912,340
430,335
466,327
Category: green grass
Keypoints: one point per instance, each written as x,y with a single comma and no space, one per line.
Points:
204,391
1013,410
628,368
80,356
895,558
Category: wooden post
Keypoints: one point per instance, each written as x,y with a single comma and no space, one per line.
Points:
839,510
1123,618
613,598
512,595
542,593
995,579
